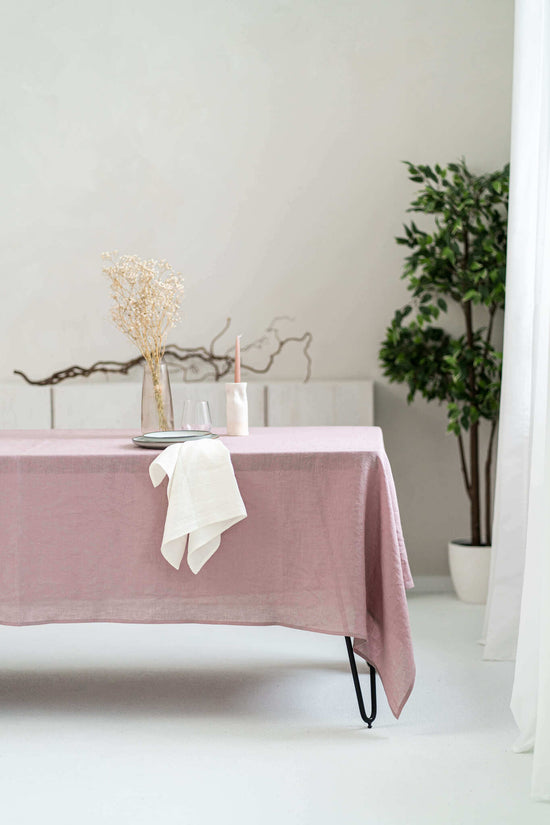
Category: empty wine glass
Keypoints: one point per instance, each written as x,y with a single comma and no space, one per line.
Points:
203,419
188,417
196,416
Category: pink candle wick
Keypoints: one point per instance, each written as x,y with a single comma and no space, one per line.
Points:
238,360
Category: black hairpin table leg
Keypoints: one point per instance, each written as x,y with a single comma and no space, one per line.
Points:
353,665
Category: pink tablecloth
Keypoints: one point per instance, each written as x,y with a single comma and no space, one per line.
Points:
321,549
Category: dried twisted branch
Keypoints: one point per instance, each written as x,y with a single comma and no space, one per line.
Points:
197,363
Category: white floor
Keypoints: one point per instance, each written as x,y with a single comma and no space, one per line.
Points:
194,724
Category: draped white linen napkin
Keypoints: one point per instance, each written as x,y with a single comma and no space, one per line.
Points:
203,499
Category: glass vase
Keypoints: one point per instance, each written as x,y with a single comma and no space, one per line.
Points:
157,411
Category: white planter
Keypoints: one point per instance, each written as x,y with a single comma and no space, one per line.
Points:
470,571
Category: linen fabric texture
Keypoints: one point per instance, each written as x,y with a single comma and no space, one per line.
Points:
203,499
321,549
518,609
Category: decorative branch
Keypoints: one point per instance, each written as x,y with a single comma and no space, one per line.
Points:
115,367
196,363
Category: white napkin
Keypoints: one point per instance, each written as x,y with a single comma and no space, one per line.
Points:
203,499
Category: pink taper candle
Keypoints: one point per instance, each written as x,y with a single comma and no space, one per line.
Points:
238,360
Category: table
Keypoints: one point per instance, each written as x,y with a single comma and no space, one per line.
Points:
321,549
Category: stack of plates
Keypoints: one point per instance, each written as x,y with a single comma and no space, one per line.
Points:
157,441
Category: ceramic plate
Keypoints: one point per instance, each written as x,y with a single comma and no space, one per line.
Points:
157,441
176,434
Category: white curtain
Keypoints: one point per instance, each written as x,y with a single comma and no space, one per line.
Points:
518,609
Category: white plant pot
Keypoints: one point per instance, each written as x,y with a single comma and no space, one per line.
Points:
470,570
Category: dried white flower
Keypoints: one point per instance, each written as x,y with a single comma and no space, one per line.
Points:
146,299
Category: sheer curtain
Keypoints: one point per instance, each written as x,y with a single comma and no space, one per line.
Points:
518,609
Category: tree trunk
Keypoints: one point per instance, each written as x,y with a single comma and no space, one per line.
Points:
475,504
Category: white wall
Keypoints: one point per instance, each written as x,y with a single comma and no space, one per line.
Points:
255,144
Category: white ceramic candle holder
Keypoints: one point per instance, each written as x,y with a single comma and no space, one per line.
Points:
236,407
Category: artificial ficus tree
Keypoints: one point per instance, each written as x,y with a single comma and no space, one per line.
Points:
459,258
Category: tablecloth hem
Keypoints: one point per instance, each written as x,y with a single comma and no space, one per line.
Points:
395,709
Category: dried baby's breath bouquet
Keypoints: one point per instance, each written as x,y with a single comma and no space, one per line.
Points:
146,299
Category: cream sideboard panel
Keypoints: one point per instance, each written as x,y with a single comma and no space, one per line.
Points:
342,403
96,406
111,405
23,407
116,405
214,393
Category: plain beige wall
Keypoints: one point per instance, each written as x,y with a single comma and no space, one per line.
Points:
256,145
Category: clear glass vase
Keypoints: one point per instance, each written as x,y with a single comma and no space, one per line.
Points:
157,411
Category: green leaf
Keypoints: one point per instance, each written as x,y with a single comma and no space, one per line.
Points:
454,254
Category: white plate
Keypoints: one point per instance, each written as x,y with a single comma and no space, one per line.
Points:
158,441
176,434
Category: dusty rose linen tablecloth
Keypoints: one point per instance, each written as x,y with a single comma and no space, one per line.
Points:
321,550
